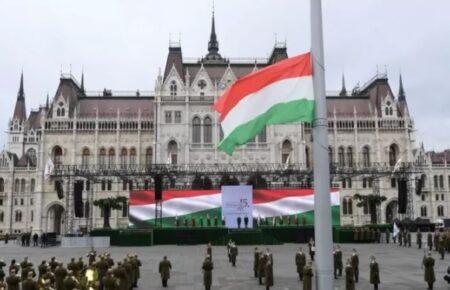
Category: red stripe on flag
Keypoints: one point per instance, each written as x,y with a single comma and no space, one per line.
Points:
297,66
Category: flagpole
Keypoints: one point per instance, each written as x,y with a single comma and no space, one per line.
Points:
322,204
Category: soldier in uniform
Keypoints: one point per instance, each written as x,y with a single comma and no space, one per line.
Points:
349,276
110,282
233,254
102,267
164,270
60,275
47,278
72,265
307,276
408,235
119,273
428,263
354,261
430,241
80,267
207,268
129,271
53,264
91,256
137,265
387,235
13,280
29,283
256,261
27,268
338,265
436,241
262,262
441,247
300,262
70,282
374,273
110,260
2,272
14,266
42,268
419,238
269,274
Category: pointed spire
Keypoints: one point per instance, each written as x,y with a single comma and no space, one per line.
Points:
21,93
20,112
82,81
401,91
343,90
213,44
47,104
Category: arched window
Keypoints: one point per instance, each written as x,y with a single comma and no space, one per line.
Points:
366,156
386,111
57,155
172,151
111,157
16,185
331,154
262,136
286,150
440,210
149,156
63,112
393,152
133,156
423,211
173,88
350,206
341,157
22,185
31,154
102,157
350,157
32,185
441,181
196,130
344,206
2,184
435,181
391,111
85,157
347,206
58,112
207,130
123,157
307,157
18,216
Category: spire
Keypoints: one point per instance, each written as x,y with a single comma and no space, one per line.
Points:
343,90
21,93
401,91
82,81
20,112
47,104
213,44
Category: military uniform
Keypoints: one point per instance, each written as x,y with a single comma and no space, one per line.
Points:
42,269
233,254
268,272
436,241
70,283
255,262
110,283
354,261
262,262
374,274
129,271
429,277
207,267
419,239
307,277
13,282
164,270
102,267
30,284
337,257
137,266
408,235
430,241
14,266
441,247
209,251
120,273
300,261
60,275
388,234
349,277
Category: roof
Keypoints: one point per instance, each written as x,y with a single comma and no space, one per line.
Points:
108,107
440,157
34,120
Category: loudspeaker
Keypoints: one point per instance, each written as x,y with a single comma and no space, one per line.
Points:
402,195
78,198
158,187
59,189
419,184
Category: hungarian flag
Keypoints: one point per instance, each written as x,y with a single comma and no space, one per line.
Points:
278,94
186,205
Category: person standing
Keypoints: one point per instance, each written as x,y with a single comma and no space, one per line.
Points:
269,274
349,276
408,236
429,277
262,262
441,247
233,254
2,272
430,241
388,234
419,238
14,266
109,281
400,238
164,270
13,281
246,221
436,241
307,276
239,220
312,248
338,264
255,262
354,261
374,273
70,282
300,262
207,268
35,239
60,275
29,283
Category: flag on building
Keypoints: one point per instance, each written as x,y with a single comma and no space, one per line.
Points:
189,204
278,94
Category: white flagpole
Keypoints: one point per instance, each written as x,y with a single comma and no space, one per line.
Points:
322,204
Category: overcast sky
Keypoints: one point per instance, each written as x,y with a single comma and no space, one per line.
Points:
121,45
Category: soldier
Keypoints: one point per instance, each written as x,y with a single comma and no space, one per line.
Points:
428,263
269,274
109,282
387,233
441,247
110,260
13,280
14,266
24,263
129,270
80,266
3,284
430,241
209,250
91,256
256,262
137,264
408,235
102,267
374,273
300,261
312,248
164,270
42,268
436,241
349,276
48,277
419,238
378,235
26,269
307,276
70,282
338,265
354,260
119,273
72,265
207,268
200,221
60,275
2,272
233,254
262,262
208,220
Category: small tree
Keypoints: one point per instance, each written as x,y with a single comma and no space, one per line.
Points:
107,204
372,201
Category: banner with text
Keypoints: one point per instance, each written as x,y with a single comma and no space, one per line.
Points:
237,206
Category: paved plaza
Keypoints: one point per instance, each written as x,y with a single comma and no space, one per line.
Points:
400,267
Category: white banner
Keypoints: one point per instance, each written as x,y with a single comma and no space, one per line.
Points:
237,206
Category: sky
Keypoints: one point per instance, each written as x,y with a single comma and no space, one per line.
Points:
121,44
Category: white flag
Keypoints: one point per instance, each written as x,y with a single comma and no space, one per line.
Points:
396,231
49,167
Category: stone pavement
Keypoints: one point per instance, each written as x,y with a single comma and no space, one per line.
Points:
400,267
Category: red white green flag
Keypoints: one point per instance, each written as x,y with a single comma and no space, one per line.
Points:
278,94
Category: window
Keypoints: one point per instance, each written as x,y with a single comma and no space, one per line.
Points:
109,185
423,211
172,150
350,157
366,208
349,182
440,210
437,197
149,156
286,150
111,157
103,185
88,185
17,185
130,184
262,136
32,185
341,158
168,117
364,182
393,151
31,216
393,182
173,88
441,181
22,202
133,156
102,158
442,197
366,156
2,184
125,209
31,201
123,158
124,185
1,201
207,130
22,186
308,157
344,183
177,117
85,158
423,197
31,154
196,129
436,183
347,206
18,216
330,155
57,155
